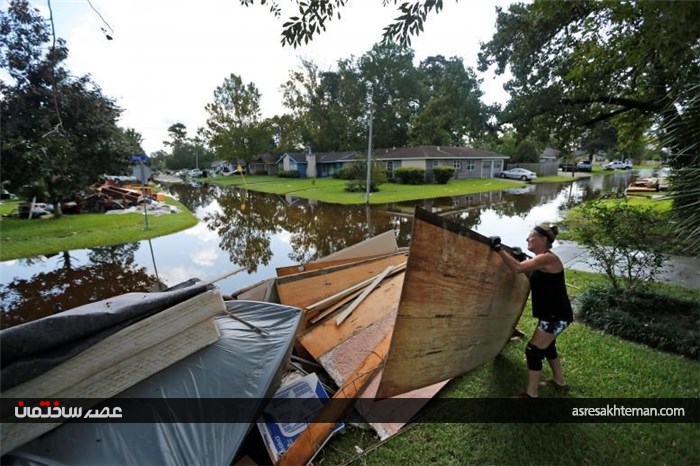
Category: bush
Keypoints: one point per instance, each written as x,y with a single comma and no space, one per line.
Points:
660,321
288,174
410,175
627,242
346,172
443,174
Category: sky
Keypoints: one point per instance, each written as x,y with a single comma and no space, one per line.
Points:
167,56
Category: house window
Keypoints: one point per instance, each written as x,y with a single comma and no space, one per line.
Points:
470,165
390,169
293,166
457,164
434,163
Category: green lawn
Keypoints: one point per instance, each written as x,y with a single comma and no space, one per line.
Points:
28,238
333,191
596,365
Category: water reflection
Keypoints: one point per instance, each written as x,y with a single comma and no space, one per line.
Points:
260,232
109,272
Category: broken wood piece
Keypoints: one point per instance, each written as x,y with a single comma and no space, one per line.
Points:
375,283
330,300
335,307
306,288
246,323
317,431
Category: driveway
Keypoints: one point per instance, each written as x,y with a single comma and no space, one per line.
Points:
679,270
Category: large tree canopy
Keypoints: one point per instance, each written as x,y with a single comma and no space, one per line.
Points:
579,62
235,128
635,64
58,132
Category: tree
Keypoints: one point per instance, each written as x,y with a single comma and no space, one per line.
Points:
57,131
450,112
389,70
578,63
186,152
234,128
315,13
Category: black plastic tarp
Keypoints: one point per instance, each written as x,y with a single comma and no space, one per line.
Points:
243,363
30,349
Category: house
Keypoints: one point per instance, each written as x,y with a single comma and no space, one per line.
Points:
315,164
549,155
265,164
468,162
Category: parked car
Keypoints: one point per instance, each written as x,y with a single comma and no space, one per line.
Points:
567,167
584,166
617,165
518,174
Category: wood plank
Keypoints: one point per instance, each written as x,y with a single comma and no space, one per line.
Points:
303,292
316,433
458,306
117,378
311,266
383,243
129,341
327,335
375,283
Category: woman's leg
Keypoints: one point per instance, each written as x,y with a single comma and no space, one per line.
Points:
538,344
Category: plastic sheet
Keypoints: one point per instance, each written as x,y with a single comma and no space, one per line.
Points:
244,363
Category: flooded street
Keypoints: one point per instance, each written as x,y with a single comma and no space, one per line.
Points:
260,232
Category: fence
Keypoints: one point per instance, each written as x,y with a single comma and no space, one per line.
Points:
541,168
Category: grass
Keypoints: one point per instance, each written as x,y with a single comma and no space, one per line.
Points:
597,365
333,190
29,238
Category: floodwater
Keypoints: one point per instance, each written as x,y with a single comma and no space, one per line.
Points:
259,232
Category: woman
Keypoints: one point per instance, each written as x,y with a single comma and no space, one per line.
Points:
550,304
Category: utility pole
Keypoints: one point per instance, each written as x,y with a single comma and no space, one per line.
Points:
369,146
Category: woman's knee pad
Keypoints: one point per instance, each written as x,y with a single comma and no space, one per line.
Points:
534,357
551,351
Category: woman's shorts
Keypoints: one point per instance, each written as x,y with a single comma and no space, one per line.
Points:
555,327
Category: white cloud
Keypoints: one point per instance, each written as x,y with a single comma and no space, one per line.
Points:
167,57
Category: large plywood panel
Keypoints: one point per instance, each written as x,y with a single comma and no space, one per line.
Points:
458,305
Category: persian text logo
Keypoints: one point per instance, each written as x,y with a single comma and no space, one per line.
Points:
49,410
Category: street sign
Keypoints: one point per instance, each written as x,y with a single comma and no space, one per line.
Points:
142,173
138,158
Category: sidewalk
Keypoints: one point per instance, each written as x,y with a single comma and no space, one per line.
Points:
679,270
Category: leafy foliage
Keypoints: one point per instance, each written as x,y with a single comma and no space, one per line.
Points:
357,176
580,62
288,174
57,130
443,174
660,321
410,175
626,241
313,15
235,129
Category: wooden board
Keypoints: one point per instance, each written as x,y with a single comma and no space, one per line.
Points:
311,266
306,288
327,335
383,243
121,360
458,305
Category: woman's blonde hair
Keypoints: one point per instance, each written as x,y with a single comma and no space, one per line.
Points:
548,231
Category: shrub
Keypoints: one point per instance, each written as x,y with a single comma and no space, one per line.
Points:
344,173
627,242
443,174
660,321
410,175
288,174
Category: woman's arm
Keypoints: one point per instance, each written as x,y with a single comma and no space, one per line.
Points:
539,262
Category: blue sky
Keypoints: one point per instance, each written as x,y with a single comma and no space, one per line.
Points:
167,57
